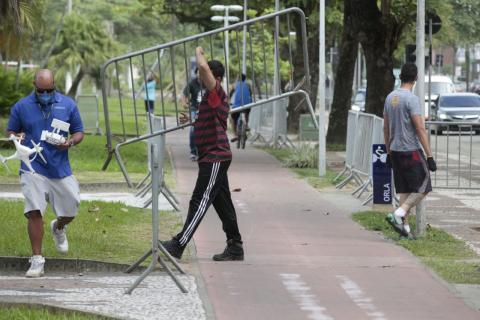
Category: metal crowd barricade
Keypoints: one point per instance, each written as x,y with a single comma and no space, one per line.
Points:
144,186
262,122
452,145
87,105
125,116
350,149
363,130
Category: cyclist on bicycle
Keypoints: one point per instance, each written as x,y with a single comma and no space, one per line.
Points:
242,95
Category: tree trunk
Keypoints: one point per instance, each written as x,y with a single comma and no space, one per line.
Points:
342,95
44,63
379,34
76,82
380,79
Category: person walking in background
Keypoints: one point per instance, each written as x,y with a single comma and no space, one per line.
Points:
149,94
242,95
53,181
405,135
214,158
191,98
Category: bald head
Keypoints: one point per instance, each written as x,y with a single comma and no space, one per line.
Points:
43,79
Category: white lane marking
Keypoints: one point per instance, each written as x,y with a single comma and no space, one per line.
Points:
361,300
242,206
232,288
302,294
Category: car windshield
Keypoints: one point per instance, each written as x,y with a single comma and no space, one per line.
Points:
359,97
460,102
440,87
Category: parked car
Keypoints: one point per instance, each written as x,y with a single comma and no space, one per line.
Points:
358,101
439,85
455,107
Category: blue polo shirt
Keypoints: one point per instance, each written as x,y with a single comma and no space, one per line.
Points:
31,118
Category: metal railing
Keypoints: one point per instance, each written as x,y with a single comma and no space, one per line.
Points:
363,130
452,144
453,147
175,61
157,146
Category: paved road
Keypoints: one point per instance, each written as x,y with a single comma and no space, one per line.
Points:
305,258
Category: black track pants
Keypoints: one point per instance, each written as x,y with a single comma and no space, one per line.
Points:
211,188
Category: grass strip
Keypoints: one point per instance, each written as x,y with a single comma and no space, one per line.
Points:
449,257
14,311
309,174
110,232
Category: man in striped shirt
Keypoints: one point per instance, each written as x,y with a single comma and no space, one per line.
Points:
214,158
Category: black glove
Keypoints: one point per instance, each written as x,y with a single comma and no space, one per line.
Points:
432,166
389,160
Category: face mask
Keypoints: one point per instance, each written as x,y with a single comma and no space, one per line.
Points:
45,98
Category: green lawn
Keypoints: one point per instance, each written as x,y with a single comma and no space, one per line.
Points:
110,232
87,159
450,258
133,125
33,312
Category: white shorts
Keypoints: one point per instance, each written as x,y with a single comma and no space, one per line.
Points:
62,194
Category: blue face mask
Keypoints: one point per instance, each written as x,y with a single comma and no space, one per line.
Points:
45,98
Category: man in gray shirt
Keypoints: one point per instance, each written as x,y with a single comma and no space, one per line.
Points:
405,134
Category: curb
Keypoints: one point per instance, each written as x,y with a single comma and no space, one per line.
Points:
63,265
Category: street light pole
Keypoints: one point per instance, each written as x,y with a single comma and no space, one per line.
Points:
226,19
244,53
420,87
227,72
322,149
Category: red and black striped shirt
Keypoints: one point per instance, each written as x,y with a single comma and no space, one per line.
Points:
210,127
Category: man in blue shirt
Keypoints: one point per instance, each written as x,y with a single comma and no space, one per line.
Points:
31,118
242,95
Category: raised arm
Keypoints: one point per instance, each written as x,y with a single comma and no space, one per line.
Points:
204,71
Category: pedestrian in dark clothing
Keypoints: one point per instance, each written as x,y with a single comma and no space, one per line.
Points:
191,98
214,158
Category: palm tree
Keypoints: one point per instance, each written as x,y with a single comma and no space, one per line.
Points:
83,45
17,18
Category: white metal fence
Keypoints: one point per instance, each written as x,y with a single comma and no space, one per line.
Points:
453,148
363,130
268,126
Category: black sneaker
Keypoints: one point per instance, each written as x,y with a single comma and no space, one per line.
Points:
233,252
173,247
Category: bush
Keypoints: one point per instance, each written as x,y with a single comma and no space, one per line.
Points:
305,156
8,95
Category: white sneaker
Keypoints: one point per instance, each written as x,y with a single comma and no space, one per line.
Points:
59,237
36,267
